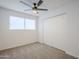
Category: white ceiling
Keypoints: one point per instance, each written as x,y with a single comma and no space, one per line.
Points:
16,5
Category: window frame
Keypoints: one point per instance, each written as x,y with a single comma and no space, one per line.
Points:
24,23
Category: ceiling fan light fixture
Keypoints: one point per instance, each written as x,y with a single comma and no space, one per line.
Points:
35,11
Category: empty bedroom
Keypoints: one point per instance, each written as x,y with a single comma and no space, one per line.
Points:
39,29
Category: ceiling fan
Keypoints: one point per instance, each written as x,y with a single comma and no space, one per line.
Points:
35,6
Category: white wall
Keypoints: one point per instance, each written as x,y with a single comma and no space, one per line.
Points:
61,31
14,38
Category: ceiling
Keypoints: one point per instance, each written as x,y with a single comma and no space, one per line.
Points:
17,6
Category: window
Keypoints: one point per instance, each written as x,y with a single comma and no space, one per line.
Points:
17,23
30,24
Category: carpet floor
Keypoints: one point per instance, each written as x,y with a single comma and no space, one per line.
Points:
34,51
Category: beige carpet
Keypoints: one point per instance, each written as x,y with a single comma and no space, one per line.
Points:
34,51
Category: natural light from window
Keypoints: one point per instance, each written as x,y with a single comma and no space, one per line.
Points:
18,23
30,24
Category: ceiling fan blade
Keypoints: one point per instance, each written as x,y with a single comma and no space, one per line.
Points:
42,9
25,4
39,3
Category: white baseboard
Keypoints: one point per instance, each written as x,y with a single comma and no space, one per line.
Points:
72,55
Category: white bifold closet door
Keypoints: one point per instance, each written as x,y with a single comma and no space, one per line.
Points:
54,31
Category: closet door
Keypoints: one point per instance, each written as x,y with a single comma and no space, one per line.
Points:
55,31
